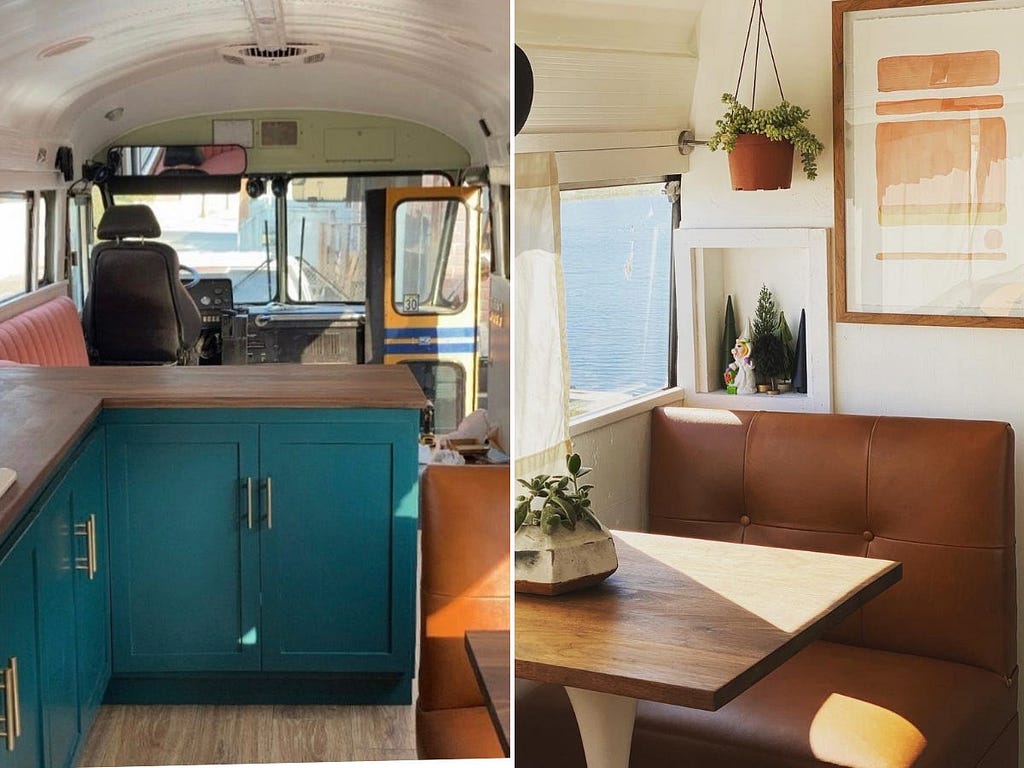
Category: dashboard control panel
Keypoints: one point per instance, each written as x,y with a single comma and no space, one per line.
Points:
212,296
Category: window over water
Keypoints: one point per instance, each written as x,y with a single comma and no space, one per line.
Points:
616,255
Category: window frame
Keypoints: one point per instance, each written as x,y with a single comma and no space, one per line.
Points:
28,197
670,392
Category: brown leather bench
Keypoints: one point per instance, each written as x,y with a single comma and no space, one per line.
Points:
49,333
924,675
466,517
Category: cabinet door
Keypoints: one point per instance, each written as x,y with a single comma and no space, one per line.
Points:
331,600
92,578
184,576
18,642
58,663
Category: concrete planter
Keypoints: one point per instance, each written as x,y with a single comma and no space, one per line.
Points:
563,561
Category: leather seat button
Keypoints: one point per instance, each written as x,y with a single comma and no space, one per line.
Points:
744,521
868,535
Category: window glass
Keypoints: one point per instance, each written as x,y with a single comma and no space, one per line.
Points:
327,234
76,248
42,240
14,221
221,235
616,254
431,270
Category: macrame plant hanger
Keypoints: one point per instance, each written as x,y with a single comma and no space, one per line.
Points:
757,9
755,162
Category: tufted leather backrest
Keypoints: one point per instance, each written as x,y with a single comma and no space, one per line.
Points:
48,334
466,519
934,494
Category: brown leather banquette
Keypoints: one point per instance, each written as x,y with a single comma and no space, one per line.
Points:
466,520
924,675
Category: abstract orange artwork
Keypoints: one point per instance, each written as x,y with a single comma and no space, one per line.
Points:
929,199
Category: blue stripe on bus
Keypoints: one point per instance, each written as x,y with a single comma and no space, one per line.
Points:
401,333
427,349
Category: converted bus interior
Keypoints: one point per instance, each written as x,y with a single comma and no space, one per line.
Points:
254,281
734,514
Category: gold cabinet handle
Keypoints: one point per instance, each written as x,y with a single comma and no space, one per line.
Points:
89,562
270,504
12,711
88,530
248,501
17,696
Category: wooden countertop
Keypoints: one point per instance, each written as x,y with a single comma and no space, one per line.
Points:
44,411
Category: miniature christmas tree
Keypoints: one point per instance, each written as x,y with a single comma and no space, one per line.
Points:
769,351
787,342
729,336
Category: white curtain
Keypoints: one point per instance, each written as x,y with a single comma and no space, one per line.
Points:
541,358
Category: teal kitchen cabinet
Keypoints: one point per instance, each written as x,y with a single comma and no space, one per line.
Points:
270,541
21,742
92,578
326,548
185,583
74,618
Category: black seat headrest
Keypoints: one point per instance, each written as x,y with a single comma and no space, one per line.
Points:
183,156
128,221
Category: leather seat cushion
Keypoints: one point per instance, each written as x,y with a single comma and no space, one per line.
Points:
462,732
830,705
49,334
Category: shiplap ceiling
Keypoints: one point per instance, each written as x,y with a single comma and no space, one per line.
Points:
609,65
443,63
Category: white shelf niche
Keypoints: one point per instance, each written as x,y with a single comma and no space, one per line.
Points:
712,264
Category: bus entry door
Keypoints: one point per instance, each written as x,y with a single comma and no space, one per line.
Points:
431,286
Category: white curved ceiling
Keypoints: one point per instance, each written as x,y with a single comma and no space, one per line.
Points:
609,65
443,63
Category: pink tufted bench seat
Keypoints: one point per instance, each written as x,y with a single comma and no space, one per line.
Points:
47,334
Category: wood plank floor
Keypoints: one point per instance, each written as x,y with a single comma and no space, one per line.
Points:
192,735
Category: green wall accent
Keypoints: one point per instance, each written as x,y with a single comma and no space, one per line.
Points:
340,142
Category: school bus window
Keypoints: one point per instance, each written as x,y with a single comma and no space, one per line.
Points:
327,234
221,235
42,241
14,226
431,269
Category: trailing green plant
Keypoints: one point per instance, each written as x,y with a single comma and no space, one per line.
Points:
784,122
551,501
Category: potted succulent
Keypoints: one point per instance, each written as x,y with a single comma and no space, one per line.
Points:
761,142
559,544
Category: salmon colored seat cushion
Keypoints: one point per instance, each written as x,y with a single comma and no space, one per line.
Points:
50,334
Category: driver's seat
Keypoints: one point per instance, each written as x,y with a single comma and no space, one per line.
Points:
137,311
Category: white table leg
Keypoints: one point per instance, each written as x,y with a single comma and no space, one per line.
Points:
606,726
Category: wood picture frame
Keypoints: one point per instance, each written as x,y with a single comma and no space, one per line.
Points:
929,203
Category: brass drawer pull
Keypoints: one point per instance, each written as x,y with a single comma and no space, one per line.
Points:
270,504
89,562
11,720
248,501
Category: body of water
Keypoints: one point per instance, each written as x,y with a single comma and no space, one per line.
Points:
616,259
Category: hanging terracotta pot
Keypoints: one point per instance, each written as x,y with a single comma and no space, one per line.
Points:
757,162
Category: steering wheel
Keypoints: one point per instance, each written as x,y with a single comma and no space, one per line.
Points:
193,275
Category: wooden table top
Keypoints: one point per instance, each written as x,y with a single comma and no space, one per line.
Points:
489,653
44,411
691,622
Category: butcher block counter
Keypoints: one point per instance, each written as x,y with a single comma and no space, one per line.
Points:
44,412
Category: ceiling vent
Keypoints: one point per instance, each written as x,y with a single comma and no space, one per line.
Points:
293,53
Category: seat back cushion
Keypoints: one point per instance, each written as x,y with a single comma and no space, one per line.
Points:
49,334
934,494
466,522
